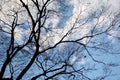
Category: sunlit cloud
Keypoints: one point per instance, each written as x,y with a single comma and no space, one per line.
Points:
80,60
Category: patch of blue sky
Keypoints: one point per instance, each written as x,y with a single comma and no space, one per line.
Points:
66,10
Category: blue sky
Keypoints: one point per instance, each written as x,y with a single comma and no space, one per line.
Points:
83,15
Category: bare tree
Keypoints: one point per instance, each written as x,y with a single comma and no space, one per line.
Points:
34,46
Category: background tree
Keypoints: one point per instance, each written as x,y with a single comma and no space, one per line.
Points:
50,39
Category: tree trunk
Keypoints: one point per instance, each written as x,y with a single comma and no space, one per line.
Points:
26,68
3,68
